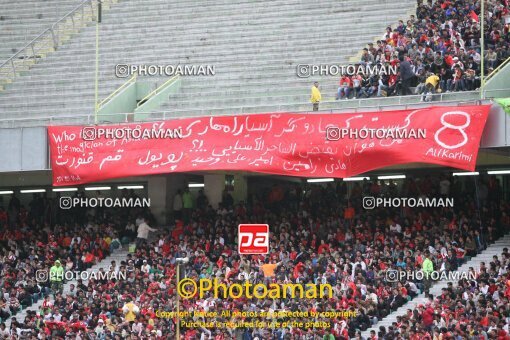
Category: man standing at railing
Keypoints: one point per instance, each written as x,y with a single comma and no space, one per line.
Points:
406,75
316,96
143,233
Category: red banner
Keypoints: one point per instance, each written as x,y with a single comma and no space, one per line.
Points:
305,145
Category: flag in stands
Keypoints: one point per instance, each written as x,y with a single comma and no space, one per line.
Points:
474,16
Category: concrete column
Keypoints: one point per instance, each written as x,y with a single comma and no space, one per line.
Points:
157,195
174,182
214,186
240,188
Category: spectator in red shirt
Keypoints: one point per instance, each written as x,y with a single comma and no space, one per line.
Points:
344,90
427,316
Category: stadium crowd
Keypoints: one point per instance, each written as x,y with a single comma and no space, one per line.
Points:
319,234
33,240
436,50
478,309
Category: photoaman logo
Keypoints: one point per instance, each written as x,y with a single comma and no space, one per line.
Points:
393,275
188,288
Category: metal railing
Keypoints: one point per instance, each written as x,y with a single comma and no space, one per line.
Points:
496,93
48,40
357,106
352,105
157,90
118,90
503,64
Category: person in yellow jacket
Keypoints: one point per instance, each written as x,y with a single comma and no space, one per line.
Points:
431,87
57,277
130,310
316,97
432,80
427,268
109,325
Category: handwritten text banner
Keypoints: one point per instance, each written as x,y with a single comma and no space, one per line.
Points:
307,145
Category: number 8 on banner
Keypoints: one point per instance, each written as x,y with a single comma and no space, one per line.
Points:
459,128
253,239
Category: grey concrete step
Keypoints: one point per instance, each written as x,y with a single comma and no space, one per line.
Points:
252,44
299,106
193,86
21,22
216,47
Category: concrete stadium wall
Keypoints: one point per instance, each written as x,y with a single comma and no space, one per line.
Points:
124,102
156,100
497,129
23,149
498,82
